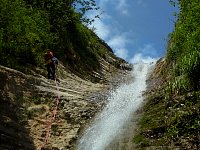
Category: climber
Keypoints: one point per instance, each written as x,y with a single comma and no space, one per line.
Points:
51,64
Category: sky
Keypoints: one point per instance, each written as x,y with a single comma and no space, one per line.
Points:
135,29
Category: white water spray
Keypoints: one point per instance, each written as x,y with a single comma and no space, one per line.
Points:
121,105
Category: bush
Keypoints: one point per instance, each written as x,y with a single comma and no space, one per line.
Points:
24,34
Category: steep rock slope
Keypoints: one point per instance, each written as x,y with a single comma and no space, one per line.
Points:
28,103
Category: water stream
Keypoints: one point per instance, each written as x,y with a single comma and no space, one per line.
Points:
122,103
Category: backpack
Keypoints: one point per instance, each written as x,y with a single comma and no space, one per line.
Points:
55,60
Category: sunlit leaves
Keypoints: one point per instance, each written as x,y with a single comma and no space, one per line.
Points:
180,96
23,31
184,47
83,6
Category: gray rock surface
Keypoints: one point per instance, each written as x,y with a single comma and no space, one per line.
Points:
29,102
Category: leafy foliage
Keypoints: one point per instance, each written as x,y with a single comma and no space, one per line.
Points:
23,33
29,27
171,115
184,48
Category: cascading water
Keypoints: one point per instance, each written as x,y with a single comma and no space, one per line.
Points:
121,104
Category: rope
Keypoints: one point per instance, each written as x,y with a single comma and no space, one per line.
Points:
49,124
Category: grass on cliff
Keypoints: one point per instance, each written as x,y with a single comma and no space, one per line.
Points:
172,113
173,122
171,117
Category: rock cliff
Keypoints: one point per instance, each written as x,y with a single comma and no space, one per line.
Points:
29,102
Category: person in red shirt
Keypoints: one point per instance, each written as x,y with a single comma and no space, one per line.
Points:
51,64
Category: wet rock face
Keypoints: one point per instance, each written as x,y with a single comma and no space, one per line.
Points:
29,103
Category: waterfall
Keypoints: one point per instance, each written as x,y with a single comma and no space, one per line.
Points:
122,103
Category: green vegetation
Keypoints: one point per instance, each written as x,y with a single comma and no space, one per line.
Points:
29,27
171,116
184,45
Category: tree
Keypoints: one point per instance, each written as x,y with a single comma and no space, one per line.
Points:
24,33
